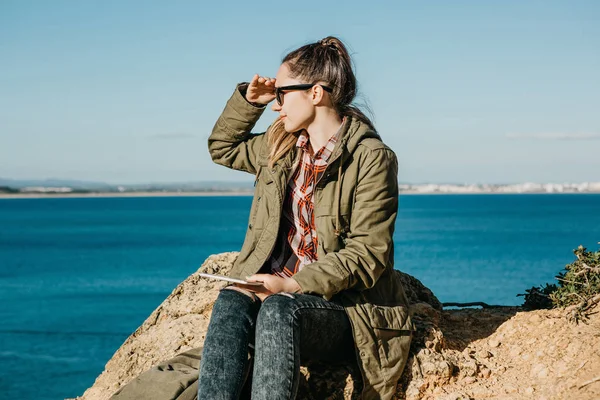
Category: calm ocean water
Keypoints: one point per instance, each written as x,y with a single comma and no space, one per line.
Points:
78,276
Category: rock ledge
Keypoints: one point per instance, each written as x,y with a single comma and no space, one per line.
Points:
502,353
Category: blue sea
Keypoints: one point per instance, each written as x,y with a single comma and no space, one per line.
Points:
78,276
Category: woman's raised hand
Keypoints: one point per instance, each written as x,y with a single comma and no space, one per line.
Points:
261,90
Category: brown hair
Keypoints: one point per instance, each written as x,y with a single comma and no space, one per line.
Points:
325,61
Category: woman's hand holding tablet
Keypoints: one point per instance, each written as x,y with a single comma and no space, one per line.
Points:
230,279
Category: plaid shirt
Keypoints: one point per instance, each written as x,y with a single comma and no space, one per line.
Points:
297,241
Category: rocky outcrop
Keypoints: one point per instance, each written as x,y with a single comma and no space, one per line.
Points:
501,353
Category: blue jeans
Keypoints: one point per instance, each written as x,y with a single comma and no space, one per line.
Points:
280,332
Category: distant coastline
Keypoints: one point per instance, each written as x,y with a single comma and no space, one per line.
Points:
120,194
11,189
15,196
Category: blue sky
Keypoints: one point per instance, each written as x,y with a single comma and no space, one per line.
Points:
462,91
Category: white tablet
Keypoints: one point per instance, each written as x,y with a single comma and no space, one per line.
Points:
229,279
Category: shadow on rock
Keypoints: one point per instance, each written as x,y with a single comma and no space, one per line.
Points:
440,351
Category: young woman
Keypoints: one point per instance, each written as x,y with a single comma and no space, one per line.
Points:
319,237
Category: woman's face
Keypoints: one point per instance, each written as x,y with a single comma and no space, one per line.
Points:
297,110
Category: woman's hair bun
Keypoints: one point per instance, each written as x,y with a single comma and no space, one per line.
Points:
330,41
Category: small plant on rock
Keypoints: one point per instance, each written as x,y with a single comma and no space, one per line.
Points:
538,298
578,287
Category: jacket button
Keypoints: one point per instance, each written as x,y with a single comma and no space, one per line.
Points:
362,353
250,226
258,199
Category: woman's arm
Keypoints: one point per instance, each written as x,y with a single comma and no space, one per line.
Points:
370,240
231,144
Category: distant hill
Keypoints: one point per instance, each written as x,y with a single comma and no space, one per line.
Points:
111,187
53,182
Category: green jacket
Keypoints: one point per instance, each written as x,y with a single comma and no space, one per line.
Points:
355,209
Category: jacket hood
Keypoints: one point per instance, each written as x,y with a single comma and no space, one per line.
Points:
354,132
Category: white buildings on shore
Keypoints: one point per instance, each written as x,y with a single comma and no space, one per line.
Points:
585,187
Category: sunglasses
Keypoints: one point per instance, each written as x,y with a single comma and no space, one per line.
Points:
305,86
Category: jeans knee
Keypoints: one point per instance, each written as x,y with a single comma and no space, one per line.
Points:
232,298
245,292
276,308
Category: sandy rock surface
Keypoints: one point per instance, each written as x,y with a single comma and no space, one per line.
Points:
504,354
501,353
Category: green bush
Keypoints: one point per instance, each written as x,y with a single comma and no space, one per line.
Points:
578,286
538,298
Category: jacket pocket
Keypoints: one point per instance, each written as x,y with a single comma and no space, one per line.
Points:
392,328
389,317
